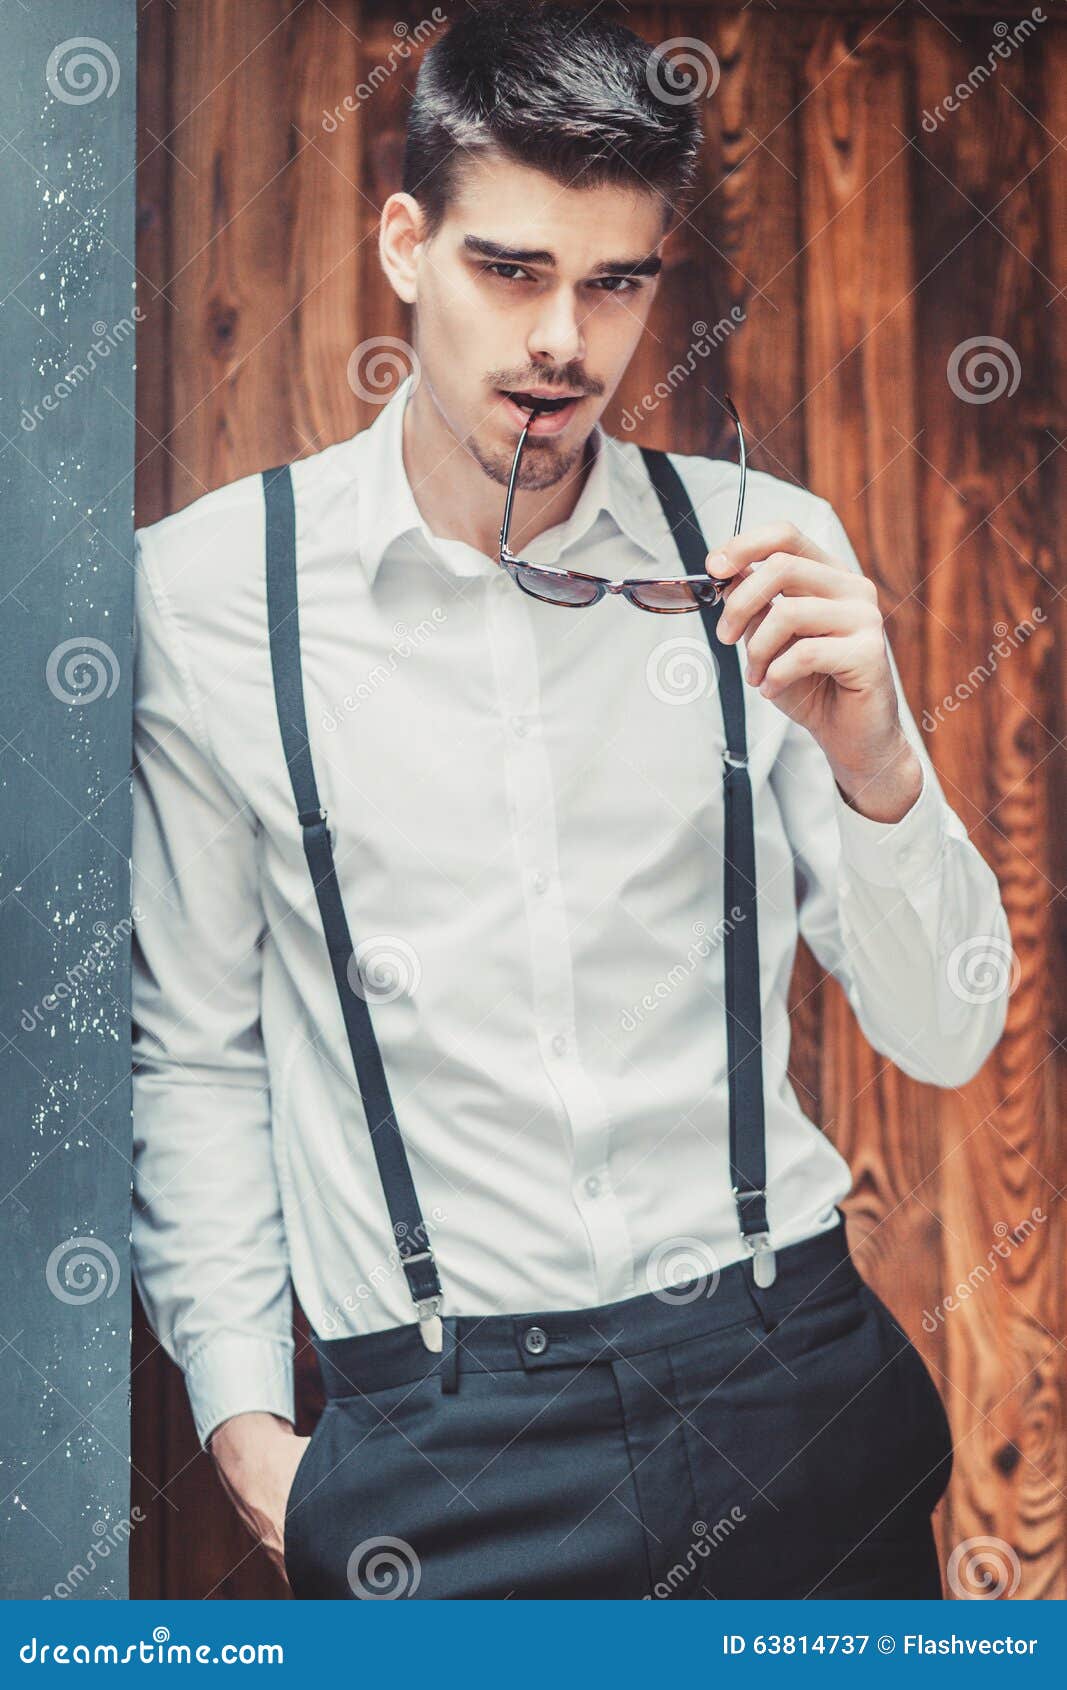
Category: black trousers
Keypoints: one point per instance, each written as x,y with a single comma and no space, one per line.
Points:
714,1440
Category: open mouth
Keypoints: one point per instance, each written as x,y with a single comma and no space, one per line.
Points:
537,402
550,415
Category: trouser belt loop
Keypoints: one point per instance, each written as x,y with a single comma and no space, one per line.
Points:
769,1319
448,1366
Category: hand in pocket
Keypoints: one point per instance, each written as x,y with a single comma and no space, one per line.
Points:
256,1456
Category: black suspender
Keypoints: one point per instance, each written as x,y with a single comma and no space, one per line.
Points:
744,1042
283,617
747,1143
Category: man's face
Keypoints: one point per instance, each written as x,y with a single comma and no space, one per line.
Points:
527,288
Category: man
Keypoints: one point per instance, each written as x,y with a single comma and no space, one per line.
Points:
571,1249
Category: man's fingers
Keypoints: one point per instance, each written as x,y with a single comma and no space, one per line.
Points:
794,576
790,618
847,658
754,543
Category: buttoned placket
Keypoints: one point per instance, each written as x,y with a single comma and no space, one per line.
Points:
532,814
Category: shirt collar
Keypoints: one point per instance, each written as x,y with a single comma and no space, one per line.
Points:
616,484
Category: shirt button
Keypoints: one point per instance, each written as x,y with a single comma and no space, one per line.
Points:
535,1341
540,882
518,726
592,1185
559,1044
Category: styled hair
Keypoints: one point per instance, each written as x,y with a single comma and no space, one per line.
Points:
551,88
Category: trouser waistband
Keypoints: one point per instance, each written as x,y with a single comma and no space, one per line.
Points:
810,1272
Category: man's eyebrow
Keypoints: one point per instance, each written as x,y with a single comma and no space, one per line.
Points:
650,266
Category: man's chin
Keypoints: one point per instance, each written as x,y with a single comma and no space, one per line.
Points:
545,461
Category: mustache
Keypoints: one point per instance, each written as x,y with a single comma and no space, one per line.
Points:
574,381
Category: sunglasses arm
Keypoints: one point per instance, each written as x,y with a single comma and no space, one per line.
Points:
505,526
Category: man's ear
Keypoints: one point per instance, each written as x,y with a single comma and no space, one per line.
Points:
399,236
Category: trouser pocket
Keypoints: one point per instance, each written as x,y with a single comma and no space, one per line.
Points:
824,1439
934,1454
300,1502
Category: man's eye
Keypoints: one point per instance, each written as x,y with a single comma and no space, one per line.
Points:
498,268
617,284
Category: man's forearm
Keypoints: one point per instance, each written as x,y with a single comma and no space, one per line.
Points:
256,1455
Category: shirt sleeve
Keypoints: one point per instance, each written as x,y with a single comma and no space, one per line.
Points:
209,1256
906,915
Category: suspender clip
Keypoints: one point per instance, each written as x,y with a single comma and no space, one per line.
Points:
764,1266
428,1309
430,1329
308,818
735,762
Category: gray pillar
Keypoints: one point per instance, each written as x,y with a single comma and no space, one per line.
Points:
67,320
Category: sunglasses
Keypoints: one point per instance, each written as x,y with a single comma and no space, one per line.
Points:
671,596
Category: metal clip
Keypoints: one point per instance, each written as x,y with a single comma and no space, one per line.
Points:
430,1329
764,1266
735,762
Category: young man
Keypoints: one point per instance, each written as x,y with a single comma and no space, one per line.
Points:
571,1249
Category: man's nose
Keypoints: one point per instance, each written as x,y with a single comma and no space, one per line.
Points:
557,337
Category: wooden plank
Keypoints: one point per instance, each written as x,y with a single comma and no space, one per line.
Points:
1048,93
861,412
978,183
715,316
231,204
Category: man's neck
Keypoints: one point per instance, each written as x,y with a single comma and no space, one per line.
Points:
458,501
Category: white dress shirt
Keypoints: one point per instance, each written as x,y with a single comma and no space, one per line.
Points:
526,804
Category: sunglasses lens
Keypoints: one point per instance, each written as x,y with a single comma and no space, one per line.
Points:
555,589
674,595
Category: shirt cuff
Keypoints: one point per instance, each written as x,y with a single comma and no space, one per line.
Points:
893,854
234,1374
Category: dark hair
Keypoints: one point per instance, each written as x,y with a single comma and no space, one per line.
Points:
549,87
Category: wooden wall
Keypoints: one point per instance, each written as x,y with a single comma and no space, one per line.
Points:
863,248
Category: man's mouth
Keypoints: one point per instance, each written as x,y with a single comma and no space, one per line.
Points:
550,411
